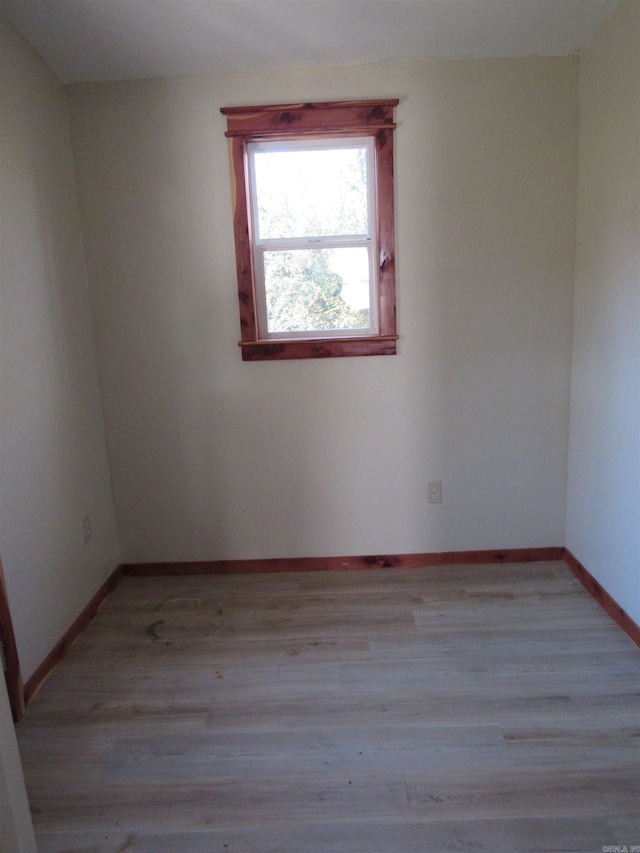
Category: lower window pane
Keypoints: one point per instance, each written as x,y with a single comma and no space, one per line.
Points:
317,289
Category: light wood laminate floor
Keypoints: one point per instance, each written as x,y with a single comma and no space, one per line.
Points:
465,708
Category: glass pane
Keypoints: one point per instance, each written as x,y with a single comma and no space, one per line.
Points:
311,193
314,289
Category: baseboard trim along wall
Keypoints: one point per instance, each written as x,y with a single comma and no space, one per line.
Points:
307,564
606,601
60,649
374,561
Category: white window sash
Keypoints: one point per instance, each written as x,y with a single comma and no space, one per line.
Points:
264,245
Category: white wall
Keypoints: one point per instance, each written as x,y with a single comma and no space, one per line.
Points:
603,508
16,828
215,458
53,466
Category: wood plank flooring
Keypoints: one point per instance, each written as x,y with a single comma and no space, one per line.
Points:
466,708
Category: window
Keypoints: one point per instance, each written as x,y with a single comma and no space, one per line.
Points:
313,224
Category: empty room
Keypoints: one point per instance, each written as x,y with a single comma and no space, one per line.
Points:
320,426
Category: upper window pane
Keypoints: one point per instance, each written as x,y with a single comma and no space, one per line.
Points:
311,192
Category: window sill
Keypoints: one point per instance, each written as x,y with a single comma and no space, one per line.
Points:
275,350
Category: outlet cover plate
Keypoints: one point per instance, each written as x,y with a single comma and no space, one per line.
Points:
434,491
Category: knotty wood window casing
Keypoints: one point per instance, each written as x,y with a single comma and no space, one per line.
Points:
332,120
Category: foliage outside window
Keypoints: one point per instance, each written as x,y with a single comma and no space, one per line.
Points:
313,224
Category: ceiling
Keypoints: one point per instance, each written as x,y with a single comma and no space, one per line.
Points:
86,40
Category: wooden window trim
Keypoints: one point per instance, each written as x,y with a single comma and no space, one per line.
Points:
300,121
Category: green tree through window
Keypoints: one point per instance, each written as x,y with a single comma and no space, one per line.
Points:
304,293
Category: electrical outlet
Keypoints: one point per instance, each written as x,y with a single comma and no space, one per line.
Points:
434,491
86,528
